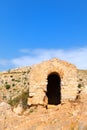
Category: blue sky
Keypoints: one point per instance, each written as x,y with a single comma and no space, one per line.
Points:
35,30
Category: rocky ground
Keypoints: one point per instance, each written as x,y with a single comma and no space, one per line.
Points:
68,116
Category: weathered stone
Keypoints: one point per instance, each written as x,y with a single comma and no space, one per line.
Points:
35,78
38,79
5,105
18,110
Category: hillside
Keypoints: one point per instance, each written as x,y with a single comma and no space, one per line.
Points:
67,116
13,83
82,74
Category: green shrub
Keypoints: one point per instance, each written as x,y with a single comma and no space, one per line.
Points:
7,86
17,80
14,89
13,85
4,96
6,82
13,79
25,78
20,98
24,83
24,98
28,71
79,85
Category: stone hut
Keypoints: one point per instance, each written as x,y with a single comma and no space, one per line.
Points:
52,82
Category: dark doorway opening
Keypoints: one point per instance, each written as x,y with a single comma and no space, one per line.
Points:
54,89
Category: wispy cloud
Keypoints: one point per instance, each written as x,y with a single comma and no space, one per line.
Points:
76,56
29,57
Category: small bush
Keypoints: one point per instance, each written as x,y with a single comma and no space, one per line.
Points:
11,76
25,78
24,73
14,89
2,81
3,96
6,82
13,79
7,86
31,110
28,71
28,83
79,85
24,83
23,98
13,85
17,80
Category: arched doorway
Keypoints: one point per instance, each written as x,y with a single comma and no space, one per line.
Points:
54,89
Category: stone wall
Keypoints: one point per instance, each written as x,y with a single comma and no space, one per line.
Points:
38,81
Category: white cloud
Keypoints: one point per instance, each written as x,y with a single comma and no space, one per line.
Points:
76,56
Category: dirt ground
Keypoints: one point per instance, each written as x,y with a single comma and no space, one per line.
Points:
67,116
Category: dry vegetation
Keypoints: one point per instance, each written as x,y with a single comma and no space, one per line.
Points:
13,83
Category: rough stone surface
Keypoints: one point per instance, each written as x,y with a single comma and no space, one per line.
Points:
82,80
69,115
35,78
18,110
38,80
5,105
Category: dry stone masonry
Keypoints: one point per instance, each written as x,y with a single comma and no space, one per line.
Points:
52,82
